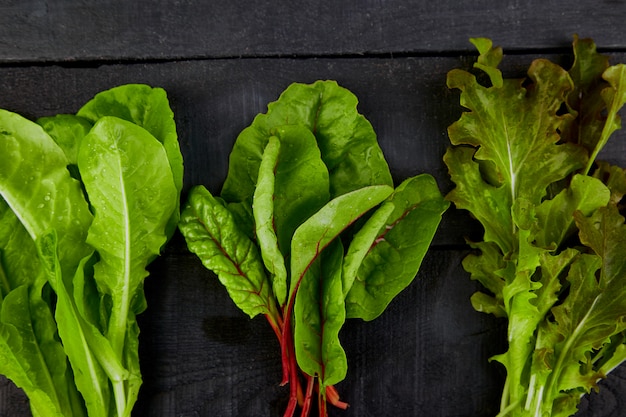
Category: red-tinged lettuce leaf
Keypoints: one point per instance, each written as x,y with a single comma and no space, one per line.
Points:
212,233
347,141
515,132
555,217
586,98
395,255
614,98
614,177
586,319
487,268
489,204
319,314
489,59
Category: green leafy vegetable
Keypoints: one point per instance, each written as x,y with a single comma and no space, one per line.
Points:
87,202
524,164
299,179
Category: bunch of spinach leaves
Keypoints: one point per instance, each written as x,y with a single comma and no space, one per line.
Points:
88,200
552,258
309,230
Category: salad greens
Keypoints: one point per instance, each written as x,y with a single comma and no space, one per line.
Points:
88,201
552,256
308,230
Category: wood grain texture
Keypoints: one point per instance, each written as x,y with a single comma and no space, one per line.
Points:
83,30
427,355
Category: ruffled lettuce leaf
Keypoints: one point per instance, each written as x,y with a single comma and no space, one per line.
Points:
521,163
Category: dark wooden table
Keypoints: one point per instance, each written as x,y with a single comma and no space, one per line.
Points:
221,62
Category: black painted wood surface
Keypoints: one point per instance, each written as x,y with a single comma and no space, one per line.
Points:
221,62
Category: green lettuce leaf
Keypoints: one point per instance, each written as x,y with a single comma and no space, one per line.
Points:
35,183
31,354
90,378
127,175
149,108
68,131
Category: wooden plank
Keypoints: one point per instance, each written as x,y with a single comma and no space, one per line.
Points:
427,355
58,30
405,99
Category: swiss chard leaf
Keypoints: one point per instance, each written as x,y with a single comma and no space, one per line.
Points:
345,138
292,185
320,229
319,315
212,233
264,219
396,254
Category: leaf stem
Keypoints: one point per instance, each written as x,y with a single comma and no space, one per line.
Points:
333,397
308,397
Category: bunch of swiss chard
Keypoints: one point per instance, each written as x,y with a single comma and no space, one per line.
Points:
553,258
87,201
309,230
